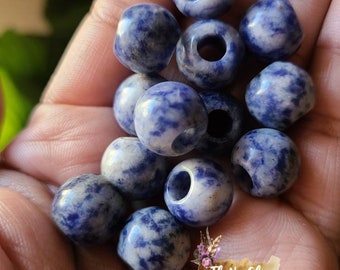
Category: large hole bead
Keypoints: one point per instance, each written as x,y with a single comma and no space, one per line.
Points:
126,97
87,209
265,162
170,118
280,95
209,53
146,38
198,192
134,170
203,9
153,239
271,30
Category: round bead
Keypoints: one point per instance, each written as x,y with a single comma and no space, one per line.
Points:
146,38
170,118
134,170
153,239
225,122
280,95
126,97
198,192
271,30
209,53
203,9
266,162
87,208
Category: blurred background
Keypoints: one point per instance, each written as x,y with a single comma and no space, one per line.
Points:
33,36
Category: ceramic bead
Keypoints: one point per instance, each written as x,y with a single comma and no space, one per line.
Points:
134,170
271,30
266,162
203,9
209,53
225,122
280,95
87,209
146,38
170,118
198,192
127,94
153,239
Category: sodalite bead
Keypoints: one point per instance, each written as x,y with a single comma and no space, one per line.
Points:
209,53
146,38
271,30
87,209
203,9
266,162
127,94
134,170
198,192
153,239
280,94
225,122
170,118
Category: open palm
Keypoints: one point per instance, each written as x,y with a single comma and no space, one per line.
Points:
73,124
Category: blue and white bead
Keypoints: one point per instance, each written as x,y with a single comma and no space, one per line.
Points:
280,95
271,30
134,170
146,38
87,209
225,122
209,53
126,97
153,239
203,9
198,192
170,118
266,162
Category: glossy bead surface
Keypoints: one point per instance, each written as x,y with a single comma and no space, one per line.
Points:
134,170
198,192
209,53
271,30
203,9
225,122
87,208
170,118
146,38
153,239
126,97
280,94
266,162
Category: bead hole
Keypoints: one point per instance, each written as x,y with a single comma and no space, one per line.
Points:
212,48
243,178
179,185
219,123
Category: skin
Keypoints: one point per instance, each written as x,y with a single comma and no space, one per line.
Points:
302,227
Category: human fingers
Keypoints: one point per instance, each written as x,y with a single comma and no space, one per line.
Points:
89,73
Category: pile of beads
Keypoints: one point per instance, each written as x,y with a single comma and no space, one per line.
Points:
170,119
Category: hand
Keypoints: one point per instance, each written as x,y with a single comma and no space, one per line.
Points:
70,128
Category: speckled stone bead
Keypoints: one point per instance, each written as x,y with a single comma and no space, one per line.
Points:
209,53
170,118
87,209
266,162
271,30
225,122
146,38
134,170
203,9
280,94
198,192
127,94
153,239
